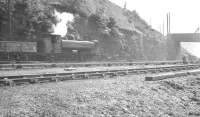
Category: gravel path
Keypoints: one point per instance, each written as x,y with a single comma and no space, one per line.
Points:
128,96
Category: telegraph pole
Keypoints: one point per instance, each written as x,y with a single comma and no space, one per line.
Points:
125,5
168,23
163,28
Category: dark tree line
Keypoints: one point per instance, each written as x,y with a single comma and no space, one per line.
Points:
28,18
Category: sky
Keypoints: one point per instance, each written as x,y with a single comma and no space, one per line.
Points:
185,16
193,48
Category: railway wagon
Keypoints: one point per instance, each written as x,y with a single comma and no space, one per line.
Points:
15,50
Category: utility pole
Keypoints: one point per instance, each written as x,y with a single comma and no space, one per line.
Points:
168,23
125,5
163,28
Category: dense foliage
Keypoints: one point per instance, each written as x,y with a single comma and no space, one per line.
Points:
30,17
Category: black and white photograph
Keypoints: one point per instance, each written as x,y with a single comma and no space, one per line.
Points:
99,58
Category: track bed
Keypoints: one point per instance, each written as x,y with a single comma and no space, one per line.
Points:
59,74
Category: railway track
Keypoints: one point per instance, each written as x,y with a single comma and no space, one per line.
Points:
89,64
162,76
54,77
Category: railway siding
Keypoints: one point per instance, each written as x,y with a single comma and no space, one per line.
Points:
163,76
91,64
98,73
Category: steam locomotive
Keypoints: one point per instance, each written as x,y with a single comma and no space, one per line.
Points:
48,47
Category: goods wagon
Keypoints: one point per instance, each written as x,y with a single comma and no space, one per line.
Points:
14,50
15,46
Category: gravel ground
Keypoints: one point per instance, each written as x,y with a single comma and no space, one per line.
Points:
128,96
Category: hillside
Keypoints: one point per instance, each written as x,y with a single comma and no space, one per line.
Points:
122,34
129,37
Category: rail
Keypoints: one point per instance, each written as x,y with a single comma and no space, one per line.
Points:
41,78
87,64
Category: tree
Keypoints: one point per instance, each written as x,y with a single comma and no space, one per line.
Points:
31,17
40,15
111,23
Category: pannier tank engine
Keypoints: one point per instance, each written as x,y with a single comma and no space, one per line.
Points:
48,47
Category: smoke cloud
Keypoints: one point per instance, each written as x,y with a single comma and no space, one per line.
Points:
63,19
